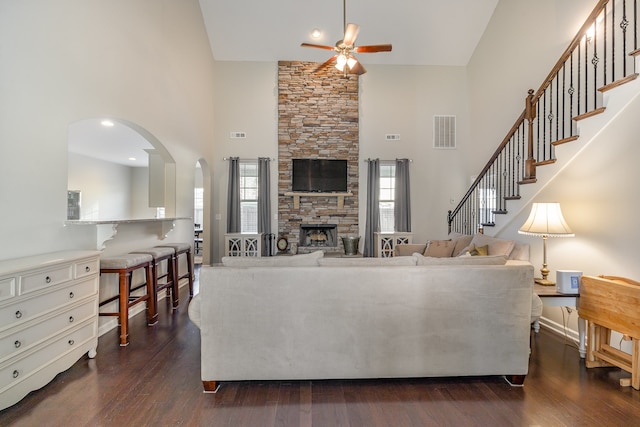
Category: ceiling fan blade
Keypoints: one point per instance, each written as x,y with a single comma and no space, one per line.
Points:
319,46
350,34
357,68
325,63
373,48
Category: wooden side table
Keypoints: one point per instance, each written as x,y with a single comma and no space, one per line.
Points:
552,298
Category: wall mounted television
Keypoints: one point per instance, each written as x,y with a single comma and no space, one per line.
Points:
319,175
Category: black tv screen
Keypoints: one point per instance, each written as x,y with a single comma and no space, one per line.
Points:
319,175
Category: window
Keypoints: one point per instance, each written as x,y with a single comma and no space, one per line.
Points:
387,191
198,205
249,196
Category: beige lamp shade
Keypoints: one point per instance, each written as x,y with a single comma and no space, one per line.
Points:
546,219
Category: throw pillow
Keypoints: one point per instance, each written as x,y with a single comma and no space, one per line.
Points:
440,248
462,241
496,246
479,251
408,249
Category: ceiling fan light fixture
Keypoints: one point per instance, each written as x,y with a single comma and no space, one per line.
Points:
341,61
351,61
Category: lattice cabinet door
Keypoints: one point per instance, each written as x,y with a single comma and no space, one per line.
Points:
386,242
243,244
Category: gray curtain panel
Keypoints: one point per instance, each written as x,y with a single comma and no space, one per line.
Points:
264,198
402,197
372,223
233,196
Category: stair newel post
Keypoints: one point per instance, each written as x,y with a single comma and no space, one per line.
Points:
530,116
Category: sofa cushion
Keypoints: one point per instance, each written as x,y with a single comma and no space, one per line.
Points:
461,260
369,262
303,260
496,246
409,249
462,241
440,248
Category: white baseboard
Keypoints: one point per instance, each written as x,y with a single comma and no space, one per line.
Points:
559,329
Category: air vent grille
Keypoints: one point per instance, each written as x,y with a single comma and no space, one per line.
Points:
444,132
392,137
238,135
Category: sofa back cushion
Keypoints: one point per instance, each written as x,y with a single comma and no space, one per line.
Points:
369,262
303,260
461,260
440,248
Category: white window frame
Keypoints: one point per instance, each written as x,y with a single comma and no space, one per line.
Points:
248,196
386,203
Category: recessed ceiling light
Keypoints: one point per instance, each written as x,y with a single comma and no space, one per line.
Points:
107,123
316,33
133,159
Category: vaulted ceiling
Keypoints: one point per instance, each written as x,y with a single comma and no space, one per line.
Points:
423,32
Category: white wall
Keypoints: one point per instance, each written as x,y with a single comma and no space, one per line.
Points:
105,187
145,62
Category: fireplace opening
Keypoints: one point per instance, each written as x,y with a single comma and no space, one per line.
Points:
318,235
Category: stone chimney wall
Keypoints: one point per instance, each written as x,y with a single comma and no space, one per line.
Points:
317,118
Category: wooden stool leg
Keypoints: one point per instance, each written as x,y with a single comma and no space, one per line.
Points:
152,311
124,280
190,270
173,274
635,364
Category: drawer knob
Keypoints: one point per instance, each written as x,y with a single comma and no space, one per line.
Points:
87,269
71,342
71,319
18,314
71,295
47,279
17,344
16,374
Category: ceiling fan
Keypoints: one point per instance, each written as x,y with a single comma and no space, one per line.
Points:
345,48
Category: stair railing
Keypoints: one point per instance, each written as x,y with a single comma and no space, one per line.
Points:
596,60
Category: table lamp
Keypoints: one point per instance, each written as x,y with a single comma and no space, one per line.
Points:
545,220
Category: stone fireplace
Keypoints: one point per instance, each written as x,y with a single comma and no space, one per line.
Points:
317,118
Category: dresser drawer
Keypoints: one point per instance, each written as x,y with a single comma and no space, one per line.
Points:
26,338
46,278
86,268
15,371
7,288
29,308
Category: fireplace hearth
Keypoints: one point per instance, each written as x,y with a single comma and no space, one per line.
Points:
318,235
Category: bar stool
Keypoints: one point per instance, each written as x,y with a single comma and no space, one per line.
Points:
124,266
160,254
182,248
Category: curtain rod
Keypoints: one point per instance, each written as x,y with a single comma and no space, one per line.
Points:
248,160
369,159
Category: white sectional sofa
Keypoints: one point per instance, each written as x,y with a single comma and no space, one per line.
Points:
308,317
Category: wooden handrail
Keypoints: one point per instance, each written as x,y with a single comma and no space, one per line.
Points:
569,50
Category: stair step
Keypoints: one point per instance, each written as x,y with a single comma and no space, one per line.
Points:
629,78
565,140
545,162
527,181
500,212
511,197
488,224
589,114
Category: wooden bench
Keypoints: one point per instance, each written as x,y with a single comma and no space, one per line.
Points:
612,303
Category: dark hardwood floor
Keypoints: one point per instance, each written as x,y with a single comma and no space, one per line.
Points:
155,381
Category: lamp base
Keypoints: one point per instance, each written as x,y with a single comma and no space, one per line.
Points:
544,282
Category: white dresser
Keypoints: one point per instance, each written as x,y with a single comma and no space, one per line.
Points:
48,318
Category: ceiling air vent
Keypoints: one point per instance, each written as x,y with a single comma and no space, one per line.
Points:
444,132
392,137
238,135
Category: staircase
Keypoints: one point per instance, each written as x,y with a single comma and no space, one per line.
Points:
592,82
